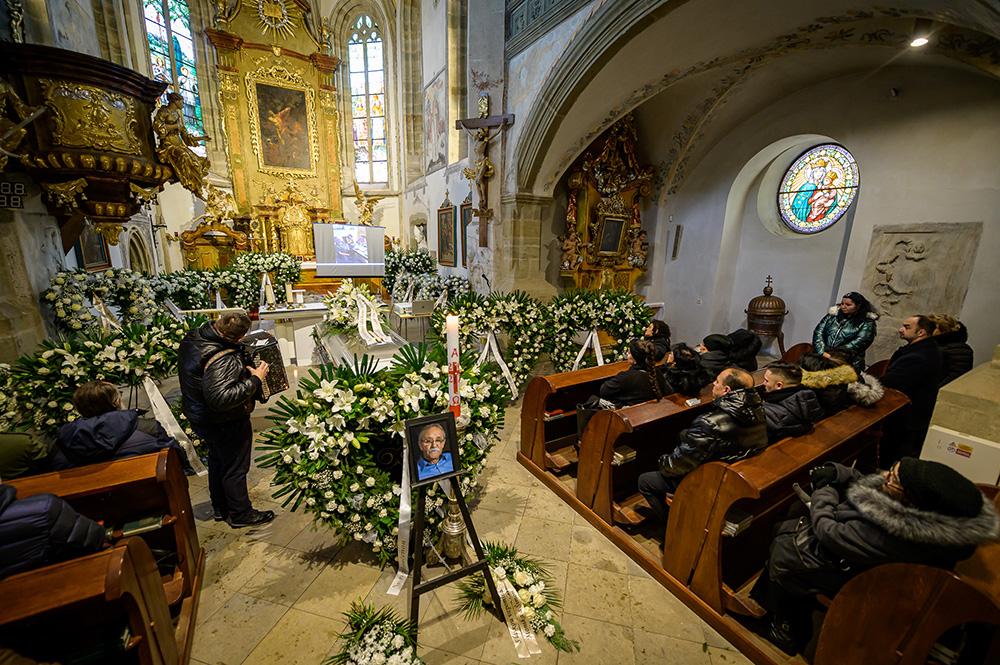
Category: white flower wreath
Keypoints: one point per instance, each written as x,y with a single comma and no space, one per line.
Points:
621,314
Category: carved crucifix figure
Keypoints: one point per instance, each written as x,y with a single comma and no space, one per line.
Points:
483,130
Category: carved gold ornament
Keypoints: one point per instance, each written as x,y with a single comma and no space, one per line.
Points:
110,230
281,77
87,117
273,16
64,194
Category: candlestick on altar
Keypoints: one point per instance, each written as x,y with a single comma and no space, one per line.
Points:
289,298
454,366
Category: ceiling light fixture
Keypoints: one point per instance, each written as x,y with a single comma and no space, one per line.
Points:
921,32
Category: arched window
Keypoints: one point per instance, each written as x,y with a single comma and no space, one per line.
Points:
366,67
171,55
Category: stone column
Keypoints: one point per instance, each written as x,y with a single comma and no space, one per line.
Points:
517,239
971,403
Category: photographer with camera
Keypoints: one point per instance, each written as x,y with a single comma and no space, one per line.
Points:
220,386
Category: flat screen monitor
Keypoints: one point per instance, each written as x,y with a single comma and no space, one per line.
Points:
349,250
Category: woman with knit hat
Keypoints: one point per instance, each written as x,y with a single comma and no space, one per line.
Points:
917,512
849,325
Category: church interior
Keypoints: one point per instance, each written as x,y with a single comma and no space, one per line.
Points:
467,331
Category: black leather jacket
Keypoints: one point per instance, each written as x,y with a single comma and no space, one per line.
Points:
733,430
223,393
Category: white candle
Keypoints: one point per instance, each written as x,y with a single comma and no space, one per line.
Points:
288,293
268,294
454,366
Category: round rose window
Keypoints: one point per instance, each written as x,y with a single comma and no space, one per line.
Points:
818,188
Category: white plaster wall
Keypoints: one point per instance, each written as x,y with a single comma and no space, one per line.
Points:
434,37
925,156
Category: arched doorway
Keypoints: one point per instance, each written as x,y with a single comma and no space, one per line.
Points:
139,258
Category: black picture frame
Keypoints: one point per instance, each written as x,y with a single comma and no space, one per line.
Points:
465,217
414,429
447,247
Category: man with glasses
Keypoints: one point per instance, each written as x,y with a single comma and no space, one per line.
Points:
434,459
916,512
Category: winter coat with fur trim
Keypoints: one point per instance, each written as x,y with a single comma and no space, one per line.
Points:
839,387
838,331
859,524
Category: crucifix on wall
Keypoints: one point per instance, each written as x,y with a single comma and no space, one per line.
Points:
483,129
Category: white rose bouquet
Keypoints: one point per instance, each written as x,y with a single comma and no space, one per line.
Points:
375,637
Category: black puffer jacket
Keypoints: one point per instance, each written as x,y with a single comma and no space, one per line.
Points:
224,392
633,386
853,525
40,530
688,380
731,431
111,435
746,345
791,411
956,354
662,345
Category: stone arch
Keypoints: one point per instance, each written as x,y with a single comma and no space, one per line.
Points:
137,253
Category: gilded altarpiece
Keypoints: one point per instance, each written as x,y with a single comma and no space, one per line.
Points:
278,102
604,244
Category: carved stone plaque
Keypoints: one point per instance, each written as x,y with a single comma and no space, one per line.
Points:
917,269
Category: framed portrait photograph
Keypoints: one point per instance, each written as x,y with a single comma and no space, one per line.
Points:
433,444
92,250
465,217
612,235
446,236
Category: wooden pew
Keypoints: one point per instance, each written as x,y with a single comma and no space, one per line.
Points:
548,413
650,429
51,612
794,354
751,495
896,612
133,488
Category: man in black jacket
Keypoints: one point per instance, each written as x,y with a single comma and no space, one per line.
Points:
42,529
917,512
914,370
219,387
790,408
732,430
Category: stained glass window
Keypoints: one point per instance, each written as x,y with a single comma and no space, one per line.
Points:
171,55
366,69
818,188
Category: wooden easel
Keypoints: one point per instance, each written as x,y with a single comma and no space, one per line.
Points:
479,565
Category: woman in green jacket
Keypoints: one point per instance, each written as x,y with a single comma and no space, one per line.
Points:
849,326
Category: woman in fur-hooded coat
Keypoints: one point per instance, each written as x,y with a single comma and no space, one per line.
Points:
838,386
917,512
850,326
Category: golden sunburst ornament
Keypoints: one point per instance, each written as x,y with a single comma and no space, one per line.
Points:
273,16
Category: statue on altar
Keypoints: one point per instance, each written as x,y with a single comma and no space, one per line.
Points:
295,227
175,146
366,205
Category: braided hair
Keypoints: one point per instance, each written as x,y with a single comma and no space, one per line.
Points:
644,356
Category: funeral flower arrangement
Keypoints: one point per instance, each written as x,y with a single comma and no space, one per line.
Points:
415,262
70,293
38,388
375,637
621,314
242,277
188,289
533,585
517,316
342,307
337,450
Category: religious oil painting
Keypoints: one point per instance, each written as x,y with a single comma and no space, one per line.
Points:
92,250
446,236
436,123
818,188
612,234
465,216
284,127
433,446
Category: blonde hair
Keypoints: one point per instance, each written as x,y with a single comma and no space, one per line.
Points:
943,323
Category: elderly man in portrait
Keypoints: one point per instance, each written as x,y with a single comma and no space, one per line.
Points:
434,459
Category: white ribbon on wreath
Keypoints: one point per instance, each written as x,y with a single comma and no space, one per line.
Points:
592,340
403,528
520,630
491,348
363,321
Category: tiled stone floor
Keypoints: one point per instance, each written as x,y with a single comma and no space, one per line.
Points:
276,594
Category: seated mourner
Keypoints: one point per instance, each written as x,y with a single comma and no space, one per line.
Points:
685,374
22,454
732,430
790,408
105,431
715,352
42,529
836,383
658,332
746,346
917,512
641,382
